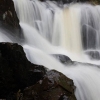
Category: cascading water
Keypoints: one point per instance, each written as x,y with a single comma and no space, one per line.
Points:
90,24
70,30
67,29
51,22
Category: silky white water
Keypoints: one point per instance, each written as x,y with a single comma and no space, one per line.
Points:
86,78
59,27
70,30
67,29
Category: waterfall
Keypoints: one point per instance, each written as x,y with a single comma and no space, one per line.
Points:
86,78
67,32
53,23
71,30
91,26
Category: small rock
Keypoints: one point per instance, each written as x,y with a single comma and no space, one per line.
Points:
95,55
63,59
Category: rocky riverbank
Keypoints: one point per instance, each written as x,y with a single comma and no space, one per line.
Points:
22,80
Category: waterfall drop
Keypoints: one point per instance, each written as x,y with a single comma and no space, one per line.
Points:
72,30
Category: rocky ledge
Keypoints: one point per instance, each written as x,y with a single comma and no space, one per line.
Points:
22,80
53,86
8,16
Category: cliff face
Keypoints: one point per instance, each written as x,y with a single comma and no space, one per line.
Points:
8,16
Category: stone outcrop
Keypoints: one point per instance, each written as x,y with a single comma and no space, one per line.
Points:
54,86
22,80
93,54
63,59
16,72
8,16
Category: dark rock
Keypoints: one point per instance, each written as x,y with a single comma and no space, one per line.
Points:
16,72
83,0
89,36
8,16
63,59
68,1
54,86
93,54
64,97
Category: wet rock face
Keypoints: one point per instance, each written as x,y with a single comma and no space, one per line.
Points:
8,16
54,86
16,72
22,80
94,55
63,59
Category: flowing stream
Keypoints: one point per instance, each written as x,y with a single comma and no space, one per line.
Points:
72,30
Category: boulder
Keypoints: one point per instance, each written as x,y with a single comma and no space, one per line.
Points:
22,80
93,54
54,86
8,16
89,35
16,72
63,59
